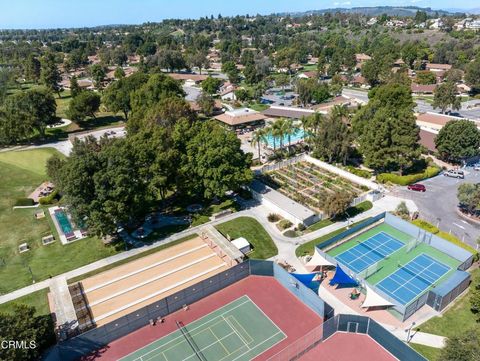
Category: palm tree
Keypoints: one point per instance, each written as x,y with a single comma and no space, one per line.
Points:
259,136
278,131
289,130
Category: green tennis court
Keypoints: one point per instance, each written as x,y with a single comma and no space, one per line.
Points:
239,331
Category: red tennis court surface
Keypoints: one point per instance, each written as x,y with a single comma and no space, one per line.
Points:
346,347
293,317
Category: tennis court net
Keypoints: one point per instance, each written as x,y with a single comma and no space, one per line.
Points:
417,273
190,341
375,249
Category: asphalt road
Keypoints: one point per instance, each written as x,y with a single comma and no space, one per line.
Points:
468,109
438,205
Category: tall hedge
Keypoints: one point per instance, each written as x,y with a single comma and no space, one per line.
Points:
404,180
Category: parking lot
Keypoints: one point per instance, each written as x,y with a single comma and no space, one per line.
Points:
438,205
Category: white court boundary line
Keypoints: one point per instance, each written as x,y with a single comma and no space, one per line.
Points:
249,300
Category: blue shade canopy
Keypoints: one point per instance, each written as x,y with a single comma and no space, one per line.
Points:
341,278
305,278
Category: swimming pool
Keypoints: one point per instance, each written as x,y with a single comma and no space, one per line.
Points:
64,222
296,137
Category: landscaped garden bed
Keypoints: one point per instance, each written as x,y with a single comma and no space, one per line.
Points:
309,184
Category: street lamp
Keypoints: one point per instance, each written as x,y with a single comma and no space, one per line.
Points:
409,330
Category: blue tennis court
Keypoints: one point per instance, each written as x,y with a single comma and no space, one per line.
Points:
412,279
369,252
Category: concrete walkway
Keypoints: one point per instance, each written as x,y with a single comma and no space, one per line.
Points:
64,309
421,338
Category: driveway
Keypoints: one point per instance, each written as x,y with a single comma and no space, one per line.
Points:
438,205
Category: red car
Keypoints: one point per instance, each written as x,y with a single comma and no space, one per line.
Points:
417,187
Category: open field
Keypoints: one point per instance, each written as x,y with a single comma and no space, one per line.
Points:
36,299
250,229
309,184
21,172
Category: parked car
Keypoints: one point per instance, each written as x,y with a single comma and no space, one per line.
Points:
476,166
455,174
417,187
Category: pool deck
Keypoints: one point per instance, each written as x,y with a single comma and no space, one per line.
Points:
78,234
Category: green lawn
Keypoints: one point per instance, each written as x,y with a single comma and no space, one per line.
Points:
204,215
430,353
21,172
250,229
36,299
456,320
319,225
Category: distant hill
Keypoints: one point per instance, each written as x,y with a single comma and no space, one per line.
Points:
375,11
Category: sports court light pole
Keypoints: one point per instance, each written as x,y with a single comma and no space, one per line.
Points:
409,330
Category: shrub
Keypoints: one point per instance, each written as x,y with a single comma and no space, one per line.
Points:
51,198
360,172
301,227
290,233
23,202
273,217
408,179
284,224
402,210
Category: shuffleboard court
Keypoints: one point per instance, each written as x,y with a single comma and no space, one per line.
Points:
370,251
238,331
412,279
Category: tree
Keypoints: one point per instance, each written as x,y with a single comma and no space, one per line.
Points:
50,75
305,90
98,73
198,59
472,75
445,97
242,94
458,139
119,73
26,112
117,96
337,203
211,85
468,195
206,103
475,294
83,105
282,80
425,77
463,346
168,59
232,72
23,325
216,162
332,139
32,68
388,134
251,75
259,136
402,210
159,86
74,87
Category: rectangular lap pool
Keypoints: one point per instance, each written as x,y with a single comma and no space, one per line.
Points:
63,221
296,137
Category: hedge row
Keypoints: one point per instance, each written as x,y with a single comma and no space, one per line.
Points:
24,202
360,172
51,198
447,236
404,180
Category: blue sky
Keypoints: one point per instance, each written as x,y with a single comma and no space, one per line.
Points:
74,13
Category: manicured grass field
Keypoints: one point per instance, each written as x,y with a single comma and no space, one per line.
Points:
456,319
36,299
430,353
308,247
21,172
253,232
